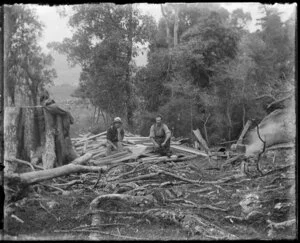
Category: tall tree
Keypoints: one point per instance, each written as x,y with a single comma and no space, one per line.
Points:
27,68
105,40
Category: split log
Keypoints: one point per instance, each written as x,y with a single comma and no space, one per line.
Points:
34,134
201,140
189,150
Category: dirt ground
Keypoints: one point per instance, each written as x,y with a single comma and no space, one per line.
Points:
50,214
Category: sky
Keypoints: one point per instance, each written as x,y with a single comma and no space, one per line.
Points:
56,29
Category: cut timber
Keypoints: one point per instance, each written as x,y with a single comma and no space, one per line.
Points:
245,129
189,150
91,137
201,140
136,152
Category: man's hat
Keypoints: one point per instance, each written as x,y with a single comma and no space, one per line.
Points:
117,119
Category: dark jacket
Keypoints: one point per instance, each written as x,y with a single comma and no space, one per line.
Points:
112,134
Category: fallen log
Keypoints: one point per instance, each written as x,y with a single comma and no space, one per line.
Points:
38,176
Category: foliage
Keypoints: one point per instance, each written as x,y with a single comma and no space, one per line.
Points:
205,69
219,70
28,68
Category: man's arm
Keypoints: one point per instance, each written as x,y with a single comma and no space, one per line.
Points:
152,136
111,143
168,134
122,134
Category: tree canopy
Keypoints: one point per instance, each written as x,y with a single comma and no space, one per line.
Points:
205,69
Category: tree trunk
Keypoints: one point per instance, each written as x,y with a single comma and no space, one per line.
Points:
176,26
129,109
229,121
98,115
8,89
167,26
36,135
10,136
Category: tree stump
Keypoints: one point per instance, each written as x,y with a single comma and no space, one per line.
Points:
34,134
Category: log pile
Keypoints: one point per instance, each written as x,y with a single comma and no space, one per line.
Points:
134,147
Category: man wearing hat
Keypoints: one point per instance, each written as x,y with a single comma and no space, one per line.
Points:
114,136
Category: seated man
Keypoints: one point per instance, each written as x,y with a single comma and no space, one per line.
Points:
114,137
160,135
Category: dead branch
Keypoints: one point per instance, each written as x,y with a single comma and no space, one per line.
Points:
11,160
48,211
231,160
142,177
99,232
201,140
281,225
245,129
123,198
32,166
69,184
